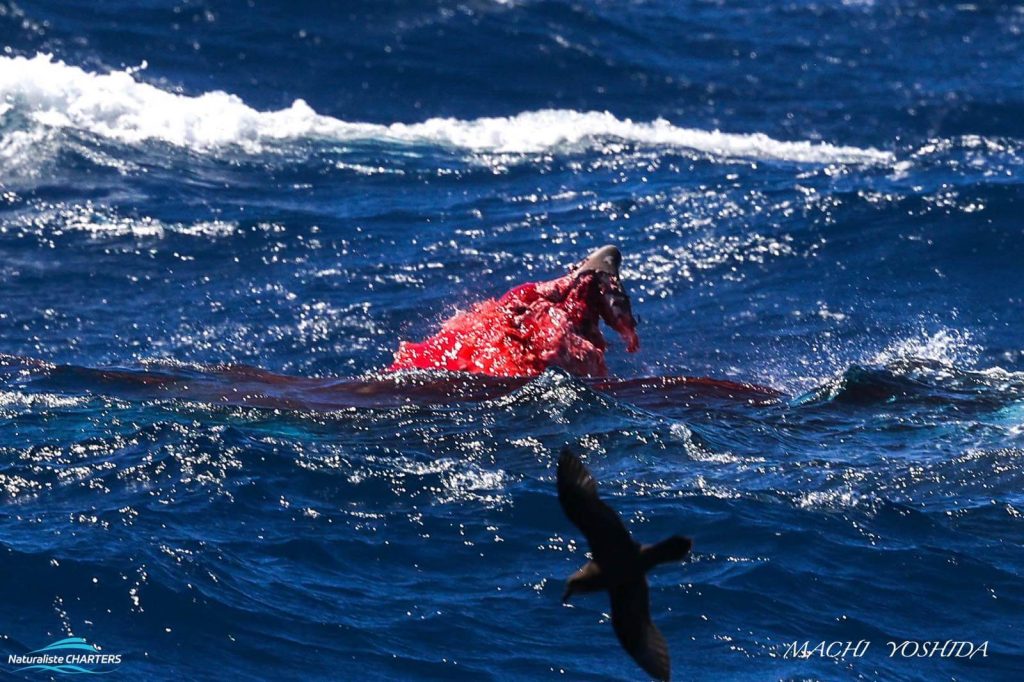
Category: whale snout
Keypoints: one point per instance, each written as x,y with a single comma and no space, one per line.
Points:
607,259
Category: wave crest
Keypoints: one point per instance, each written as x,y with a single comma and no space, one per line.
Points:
117,106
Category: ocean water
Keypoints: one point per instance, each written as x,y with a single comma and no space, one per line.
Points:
218,220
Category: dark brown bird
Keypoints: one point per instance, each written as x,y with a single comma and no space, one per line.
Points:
620,565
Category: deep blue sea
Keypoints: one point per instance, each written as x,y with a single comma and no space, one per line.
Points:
218,219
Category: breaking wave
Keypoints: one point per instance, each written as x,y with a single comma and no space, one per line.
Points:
115,105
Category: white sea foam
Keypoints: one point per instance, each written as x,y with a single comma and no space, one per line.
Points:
115,105
38,400
946,347
102,221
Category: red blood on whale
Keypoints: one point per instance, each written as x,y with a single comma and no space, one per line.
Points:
530,328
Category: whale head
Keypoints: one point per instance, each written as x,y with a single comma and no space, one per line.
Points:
534,326
613,304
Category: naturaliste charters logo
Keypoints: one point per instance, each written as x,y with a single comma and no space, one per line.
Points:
70,656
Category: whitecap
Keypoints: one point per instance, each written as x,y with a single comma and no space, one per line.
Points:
115,105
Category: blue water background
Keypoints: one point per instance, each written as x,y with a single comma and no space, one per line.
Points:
880,498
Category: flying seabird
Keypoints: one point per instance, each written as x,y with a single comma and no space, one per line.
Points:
619,565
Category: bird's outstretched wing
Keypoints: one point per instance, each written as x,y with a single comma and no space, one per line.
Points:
609,540
675,548
631,618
